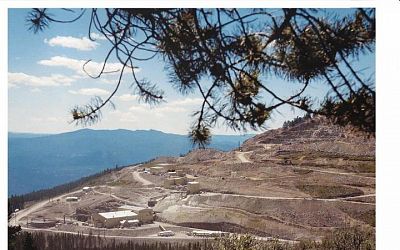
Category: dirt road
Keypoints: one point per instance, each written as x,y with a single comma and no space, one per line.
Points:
25,212
334,172
342,199
137,177
241,156
116,197
178,237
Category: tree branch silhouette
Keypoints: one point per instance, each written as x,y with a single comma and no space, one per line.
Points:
228,55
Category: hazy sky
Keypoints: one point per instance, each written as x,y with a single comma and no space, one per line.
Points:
46,80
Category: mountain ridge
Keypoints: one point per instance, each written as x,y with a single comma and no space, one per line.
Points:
59,158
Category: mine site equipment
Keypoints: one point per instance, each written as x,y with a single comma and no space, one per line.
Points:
205,233
71,198
129,223
162,228
287,161
151,203
42,223
167,233
234,174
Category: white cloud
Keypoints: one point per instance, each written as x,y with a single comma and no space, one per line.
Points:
15,79
178,109
92,67
177,106
90,92
108,81
187,102
47,119
97,36
36,90
12,85
128,97
84,43
173,116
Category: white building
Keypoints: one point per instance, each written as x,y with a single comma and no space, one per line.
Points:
144,214
112,219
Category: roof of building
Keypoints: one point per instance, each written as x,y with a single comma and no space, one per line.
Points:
117,214
132,208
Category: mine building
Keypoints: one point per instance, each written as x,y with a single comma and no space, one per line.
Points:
157,170
112,219
179,180
172,173
180,173
190,178
144,214
193,187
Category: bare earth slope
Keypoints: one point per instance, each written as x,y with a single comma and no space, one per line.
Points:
297,182
291,182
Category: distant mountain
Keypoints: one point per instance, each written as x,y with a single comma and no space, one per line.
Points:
41,161
25,135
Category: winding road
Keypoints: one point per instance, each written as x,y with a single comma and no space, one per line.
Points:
342,199
136,176
241,156
25,212
334,172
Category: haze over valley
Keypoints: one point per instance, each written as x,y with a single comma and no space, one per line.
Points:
38,161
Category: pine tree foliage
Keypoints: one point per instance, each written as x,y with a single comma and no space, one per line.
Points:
340,239
229,56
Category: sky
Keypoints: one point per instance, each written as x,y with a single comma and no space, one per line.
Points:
46,80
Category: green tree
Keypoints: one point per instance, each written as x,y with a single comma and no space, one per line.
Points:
237,242
229,55
28,242
13,232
